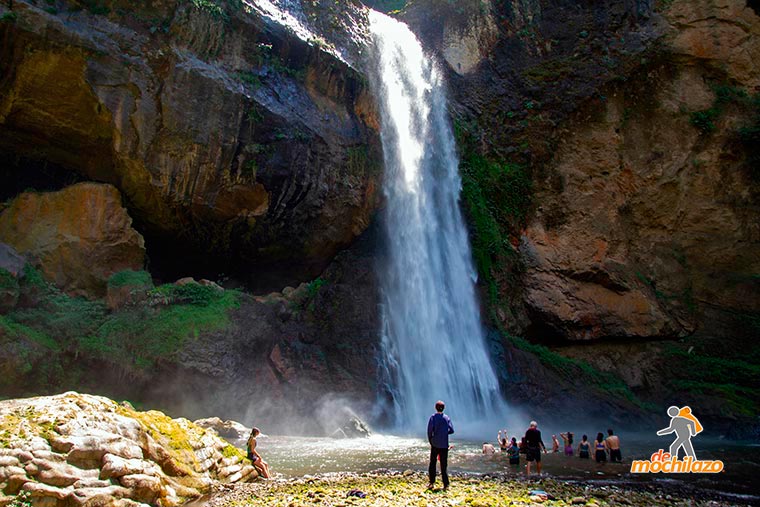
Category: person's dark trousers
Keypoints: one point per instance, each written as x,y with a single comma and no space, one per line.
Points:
444,454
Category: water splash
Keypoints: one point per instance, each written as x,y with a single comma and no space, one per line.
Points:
433,345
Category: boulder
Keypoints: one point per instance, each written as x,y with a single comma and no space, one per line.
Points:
352,428
229,430
11,261
79,236
138,457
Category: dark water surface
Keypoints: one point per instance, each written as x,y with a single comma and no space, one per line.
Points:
298,456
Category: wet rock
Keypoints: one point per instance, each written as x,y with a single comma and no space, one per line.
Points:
352,428
79,236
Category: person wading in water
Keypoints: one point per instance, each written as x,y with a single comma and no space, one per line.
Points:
613,446
535,444
438,431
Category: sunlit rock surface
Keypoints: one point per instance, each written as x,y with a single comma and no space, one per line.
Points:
78,449
225,130
78,236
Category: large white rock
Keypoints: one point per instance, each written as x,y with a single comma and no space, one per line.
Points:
82,450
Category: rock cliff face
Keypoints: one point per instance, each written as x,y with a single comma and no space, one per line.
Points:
655,221
634,120
243,140
641,213
226,130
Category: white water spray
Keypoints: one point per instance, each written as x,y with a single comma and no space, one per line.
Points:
433,345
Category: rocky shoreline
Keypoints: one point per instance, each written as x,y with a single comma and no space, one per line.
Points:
82,450
393,489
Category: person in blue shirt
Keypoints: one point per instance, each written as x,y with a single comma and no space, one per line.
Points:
438,431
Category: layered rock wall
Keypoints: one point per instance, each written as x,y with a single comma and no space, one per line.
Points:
226,130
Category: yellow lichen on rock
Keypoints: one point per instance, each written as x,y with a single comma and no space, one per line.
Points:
73,448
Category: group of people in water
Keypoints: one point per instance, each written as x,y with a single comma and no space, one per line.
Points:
532,446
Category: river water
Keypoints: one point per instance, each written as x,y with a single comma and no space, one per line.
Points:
299,456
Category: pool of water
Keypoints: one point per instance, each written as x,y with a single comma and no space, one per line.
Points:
298,456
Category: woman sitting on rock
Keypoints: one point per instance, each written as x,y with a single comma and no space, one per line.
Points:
259,464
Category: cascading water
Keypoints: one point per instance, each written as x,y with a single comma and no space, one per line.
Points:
433,345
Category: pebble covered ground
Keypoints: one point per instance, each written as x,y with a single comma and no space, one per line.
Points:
409,489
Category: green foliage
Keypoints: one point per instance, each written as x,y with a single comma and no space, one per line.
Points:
211,7
724,95
250,78
98,7
16,331
23,499
33,278
700,371
138,335
578,370
313,288
8,17
230,451
146,334
388,6
128,277
7,280
254,115
189,293
704,120
358,160
497,196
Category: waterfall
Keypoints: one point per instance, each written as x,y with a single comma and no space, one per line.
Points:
433,345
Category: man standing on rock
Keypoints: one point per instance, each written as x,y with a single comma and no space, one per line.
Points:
534,444
438,431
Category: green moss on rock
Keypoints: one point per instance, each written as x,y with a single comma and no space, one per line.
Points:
128,278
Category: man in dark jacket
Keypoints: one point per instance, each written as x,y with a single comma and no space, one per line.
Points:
439,429
535,445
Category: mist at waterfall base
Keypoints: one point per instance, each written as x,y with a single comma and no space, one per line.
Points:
432,344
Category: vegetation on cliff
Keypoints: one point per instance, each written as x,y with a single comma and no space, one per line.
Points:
52,336
497,196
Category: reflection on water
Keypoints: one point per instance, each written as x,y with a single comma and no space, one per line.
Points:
298,456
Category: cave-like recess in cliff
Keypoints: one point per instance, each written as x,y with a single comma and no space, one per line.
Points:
20,174
168,257
754,5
